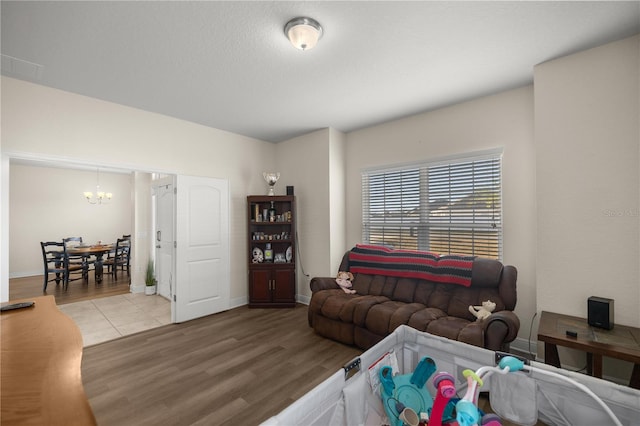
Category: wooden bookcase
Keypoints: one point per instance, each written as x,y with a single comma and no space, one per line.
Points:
272,279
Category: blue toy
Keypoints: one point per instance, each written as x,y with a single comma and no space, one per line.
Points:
406,391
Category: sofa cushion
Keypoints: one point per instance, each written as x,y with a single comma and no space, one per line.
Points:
441,296
318,299
403,314
459,304
385,317
361,311
473,334
447,327
379,317
333,303
404,290
337,305
486,272
461,300
424,290
420,319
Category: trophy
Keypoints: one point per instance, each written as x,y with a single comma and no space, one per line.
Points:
271,179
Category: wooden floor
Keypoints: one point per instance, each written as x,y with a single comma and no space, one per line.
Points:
238,367
23,288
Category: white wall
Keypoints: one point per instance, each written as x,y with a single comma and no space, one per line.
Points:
337,209
38,120
142,232
588,186
503,120
316,163
588,180
304,163
46,204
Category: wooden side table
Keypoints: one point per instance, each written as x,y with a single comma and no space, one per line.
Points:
621,342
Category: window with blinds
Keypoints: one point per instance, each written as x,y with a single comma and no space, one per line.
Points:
447,207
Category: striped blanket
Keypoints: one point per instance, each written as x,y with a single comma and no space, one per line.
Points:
379,260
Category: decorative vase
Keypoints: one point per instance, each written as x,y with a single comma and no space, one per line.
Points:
150,290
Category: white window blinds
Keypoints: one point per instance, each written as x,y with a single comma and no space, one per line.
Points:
448,207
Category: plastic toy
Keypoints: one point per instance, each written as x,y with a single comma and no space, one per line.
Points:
407,402
406,392
445,385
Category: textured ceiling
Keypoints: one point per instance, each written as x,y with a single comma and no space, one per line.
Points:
228,65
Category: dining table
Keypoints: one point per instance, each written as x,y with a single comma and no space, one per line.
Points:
97,250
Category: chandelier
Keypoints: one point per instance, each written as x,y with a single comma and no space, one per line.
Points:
101,196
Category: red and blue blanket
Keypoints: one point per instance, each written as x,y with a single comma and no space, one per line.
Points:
379,260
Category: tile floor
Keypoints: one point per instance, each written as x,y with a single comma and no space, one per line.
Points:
108,318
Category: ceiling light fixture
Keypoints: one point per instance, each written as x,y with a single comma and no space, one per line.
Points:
303,33
101,197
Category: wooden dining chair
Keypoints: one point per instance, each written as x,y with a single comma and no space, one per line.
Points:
128,245
124,236
83,260
56,262
53,257
119,258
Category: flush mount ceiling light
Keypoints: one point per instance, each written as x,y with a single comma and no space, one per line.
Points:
303,33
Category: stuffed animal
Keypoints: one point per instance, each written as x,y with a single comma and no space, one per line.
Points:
484,311
344,281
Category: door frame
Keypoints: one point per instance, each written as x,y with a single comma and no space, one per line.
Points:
61,162
6,157
155,185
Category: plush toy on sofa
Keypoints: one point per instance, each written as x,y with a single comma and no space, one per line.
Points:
484,311
344,281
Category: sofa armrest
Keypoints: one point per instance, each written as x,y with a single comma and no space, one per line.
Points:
500,329
323,283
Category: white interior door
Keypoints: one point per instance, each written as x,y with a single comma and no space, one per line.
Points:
164,236
202,247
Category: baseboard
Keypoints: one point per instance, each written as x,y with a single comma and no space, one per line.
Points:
137,288
523,348
237,302
25,274
305,300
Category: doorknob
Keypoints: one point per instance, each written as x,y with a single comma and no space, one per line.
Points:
157,245
158,235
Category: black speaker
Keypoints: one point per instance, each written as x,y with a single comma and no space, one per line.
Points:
289,190
600,312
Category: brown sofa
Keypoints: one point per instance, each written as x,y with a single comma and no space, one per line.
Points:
382,303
